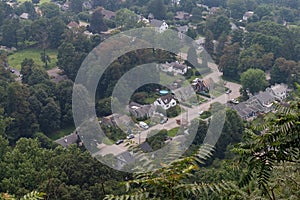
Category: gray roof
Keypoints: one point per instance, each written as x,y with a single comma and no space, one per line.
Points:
146,147
126,157
166,98
156,23
139,110
180,15
264,97
178,66
108,14
67,140
183,29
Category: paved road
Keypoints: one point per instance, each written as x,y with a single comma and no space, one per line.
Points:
191,113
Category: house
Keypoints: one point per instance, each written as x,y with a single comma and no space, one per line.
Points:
141,111
175,2
87,5
107,14
166,102
145,147
279,91
160,26
73,25
202,6
200,85
265,98
182,30
124,159
178,68
180,15
65,6
73,138
174,67
24,16
150,16
109,120
247,15
249,109
213,10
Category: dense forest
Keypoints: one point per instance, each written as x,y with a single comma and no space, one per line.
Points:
247,39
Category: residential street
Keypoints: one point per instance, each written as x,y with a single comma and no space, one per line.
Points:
191,113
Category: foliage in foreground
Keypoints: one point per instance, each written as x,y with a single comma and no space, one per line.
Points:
273,146
30,196
170,182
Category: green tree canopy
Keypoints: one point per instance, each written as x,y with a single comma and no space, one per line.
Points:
254,80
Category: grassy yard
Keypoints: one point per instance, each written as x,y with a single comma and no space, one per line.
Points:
173,132
15,59
61,133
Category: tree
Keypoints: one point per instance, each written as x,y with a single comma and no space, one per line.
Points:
9,32
63,92
169,182
126,19
18,108
157,8
237,8
218,25
255,57
56,31
32,73
229,61
5,11
97,24
76,6
254,80
285,71
69,59
208,44
45,58
50,10
50,117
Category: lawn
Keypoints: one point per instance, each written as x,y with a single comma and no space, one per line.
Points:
15,59
61,133
173,132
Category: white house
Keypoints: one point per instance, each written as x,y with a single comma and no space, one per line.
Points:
165,102
247,15
160,26
174,67
279,91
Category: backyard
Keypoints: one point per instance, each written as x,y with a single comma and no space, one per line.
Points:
15,59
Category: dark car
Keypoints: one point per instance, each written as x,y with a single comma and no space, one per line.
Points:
119,142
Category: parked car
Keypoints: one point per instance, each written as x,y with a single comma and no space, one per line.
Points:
130,136
143,125
201,112
164,120
119,142
228,91
234,101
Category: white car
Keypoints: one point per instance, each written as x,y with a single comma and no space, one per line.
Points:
143,125
130,136
234,101
201,112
